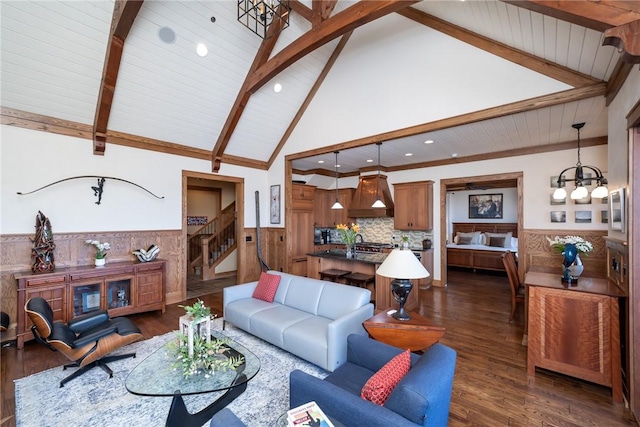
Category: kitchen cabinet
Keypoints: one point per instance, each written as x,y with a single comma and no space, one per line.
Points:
302,221
122,288
325,217
413,206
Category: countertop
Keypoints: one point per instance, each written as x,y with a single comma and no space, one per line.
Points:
365,257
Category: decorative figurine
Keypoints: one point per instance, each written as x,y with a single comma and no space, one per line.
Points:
43,246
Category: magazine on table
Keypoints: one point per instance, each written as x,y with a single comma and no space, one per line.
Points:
308,414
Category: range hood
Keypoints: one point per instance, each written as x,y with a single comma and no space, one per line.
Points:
365,195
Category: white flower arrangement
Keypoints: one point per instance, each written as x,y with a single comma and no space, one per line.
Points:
101,247
558,244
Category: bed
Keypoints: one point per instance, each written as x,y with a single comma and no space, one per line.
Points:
479,252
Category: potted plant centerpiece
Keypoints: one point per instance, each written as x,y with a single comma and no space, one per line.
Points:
196,351
101,253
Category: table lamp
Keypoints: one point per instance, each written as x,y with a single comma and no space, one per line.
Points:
402,265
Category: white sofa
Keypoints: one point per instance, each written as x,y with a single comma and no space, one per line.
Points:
308,317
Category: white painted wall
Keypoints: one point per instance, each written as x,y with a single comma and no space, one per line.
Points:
31,159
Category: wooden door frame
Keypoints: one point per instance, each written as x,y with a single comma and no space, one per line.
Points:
239,194
445,183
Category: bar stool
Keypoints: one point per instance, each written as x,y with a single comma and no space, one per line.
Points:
363,281
333,274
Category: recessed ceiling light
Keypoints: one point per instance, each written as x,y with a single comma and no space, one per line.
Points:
429,141
202,50
454,154
369,160
277,87
408,155
320,161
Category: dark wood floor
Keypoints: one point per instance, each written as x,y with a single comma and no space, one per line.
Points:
491,387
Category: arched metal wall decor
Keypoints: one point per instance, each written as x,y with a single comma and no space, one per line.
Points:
97,189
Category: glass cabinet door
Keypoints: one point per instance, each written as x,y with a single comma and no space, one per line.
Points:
118,293
86,298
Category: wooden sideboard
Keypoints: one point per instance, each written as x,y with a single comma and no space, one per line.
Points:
574,330
122,288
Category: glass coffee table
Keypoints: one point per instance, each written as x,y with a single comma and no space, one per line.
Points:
156,376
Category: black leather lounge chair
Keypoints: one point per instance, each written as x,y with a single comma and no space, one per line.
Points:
85,340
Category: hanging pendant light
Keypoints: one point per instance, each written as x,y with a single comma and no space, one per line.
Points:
337,204
580,180
378,203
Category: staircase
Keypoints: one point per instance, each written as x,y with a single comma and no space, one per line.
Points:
212,243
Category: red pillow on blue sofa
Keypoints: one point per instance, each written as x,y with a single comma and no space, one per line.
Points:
267,287
379,387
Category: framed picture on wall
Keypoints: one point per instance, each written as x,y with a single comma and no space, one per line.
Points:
583,216
274,206
604,217
617,210
553,182
553,201
486,206
558,216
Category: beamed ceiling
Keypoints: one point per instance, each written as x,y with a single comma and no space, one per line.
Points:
99,70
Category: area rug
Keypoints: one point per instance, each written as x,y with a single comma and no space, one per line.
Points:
94,399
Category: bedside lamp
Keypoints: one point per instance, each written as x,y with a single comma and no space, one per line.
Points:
402,265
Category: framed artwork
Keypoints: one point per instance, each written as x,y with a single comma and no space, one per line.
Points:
90,301
604,217
486,206
274,207
553,201
583,217
558,216
196,220
617,210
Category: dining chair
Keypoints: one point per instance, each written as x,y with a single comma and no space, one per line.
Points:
517,288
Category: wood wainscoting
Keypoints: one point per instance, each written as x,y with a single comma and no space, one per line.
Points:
71,250
536,253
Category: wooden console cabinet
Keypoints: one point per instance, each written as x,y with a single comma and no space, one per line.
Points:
122,288
574,330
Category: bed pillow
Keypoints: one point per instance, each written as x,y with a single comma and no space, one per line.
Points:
506,242
497,242
514,242
464,240
267,287
475,237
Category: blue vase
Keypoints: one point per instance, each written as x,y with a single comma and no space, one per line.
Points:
570,256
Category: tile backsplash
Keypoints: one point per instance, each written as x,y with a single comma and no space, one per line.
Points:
380,230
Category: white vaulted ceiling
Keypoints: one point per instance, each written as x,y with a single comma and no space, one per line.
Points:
53,53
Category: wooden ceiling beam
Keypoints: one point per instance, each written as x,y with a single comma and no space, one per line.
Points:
262,56
626,38
598,15
124,15
346,21
543,66
302,10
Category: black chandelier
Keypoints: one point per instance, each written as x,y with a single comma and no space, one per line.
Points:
580,192
260,15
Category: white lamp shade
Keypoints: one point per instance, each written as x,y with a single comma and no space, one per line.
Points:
579,193
337,205
559,194
599,192
402,264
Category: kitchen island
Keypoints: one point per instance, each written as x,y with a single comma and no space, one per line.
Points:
365,263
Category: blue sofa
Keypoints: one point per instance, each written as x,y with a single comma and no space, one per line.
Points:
421,398
308,317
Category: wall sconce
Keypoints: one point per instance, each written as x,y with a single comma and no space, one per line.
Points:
580,180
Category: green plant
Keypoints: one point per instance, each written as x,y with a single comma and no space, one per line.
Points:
348,232
207,357
198,310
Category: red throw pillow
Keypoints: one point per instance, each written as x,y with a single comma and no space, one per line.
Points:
382,383
267,287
